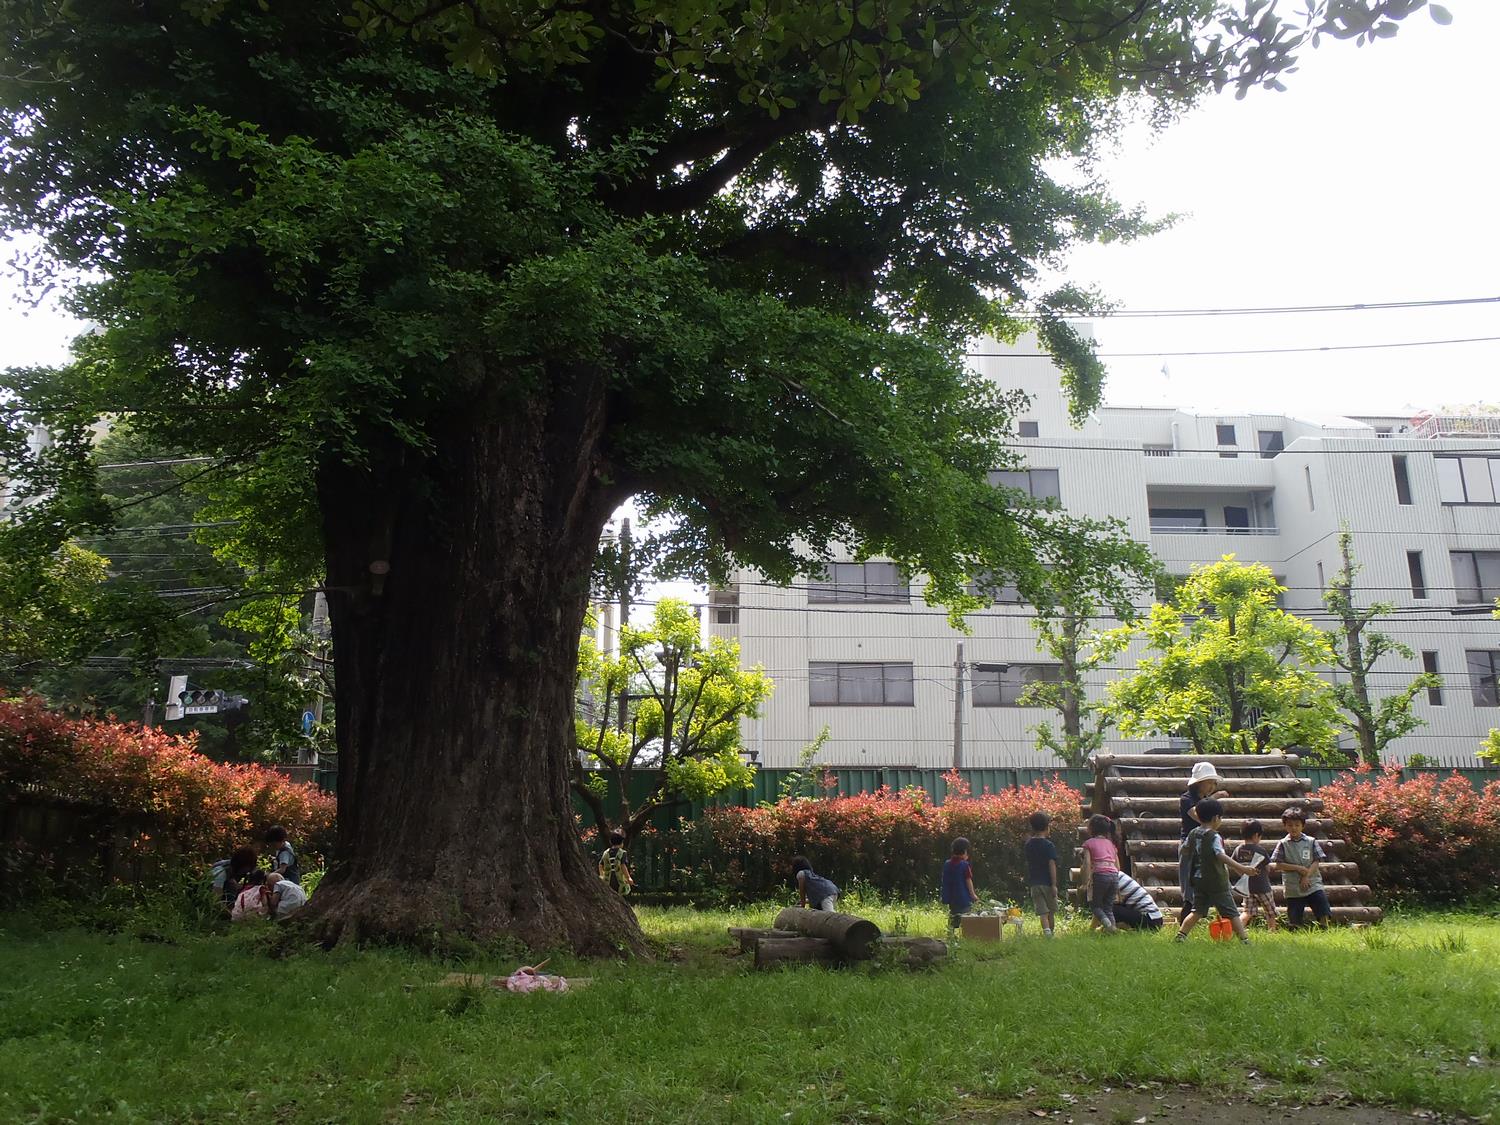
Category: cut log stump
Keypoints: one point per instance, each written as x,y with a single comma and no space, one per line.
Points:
854,937
770,952
747,936
919,951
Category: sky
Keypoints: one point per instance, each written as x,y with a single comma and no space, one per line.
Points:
1371,179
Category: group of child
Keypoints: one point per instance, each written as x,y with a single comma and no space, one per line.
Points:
1116,900
247,891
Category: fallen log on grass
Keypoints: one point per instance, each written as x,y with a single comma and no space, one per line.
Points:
749,935
770,952
919,950
854,937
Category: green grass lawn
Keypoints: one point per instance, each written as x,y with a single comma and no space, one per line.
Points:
96,1027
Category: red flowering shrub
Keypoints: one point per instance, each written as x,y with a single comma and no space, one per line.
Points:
177,800
1432,839
895,842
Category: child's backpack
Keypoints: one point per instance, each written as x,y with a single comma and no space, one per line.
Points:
611,865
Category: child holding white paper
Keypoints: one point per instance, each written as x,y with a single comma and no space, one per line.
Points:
1254,891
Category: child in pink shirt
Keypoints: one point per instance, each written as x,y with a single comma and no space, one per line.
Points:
1101,869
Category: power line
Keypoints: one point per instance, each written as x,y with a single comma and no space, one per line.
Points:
1236,452
1266,310
1251,351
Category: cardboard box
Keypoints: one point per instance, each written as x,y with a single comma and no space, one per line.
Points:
980,929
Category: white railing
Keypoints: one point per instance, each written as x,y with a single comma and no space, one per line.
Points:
1455,426
1178,529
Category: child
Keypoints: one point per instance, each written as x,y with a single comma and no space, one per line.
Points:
1101,870
614,864
284,897
1258,897
1202,783
1210,872
252,901
283,855
1297,858
812,887
1041,870
958,883
1134,908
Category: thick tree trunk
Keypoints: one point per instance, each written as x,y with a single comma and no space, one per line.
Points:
458,583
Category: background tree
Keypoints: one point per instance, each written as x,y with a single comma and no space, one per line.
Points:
1066,629
444,320
1357,648
48,608
1232,673
683,704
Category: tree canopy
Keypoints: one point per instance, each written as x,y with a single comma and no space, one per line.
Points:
437,321
1231,672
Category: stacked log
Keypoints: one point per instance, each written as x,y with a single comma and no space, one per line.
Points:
822,937
1140,791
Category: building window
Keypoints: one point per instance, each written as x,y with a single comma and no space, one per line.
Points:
859,582
1271,442
1028,429
1004,593
1178,521
1430,664
1468,480
1484,676
1001,685
1312,505
1403,481
1414,570
1039,484
859,684
1226,437
1476,575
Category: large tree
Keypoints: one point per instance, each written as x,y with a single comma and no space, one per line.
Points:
721,256
1227,669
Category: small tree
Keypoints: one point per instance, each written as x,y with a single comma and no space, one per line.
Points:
1234,674
1074,597
1356,649
49,606
683,703
1489,750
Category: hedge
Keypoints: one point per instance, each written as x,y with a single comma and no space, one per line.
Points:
174,801
1426,840
891,841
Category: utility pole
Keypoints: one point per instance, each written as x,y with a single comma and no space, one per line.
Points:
148,717
622,588
317,666
958,709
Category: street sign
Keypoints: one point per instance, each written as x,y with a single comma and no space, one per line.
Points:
211,709
308,718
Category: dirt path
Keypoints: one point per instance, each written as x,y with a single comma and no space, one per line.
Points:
1158,1104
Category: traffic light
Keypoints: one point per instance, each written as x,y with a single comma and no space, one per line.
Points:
210,701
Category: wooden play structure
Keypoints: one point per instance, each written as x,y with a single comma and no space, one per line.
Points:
1140,793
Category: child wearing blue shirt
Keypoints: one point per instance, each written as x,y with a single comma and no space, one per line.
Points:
958,883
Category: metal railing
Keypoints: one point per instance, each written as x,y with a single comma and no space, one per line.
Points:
1176,529
1455,426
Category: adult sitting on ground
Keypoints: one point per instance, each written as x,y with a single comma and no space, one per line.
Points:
229,874
1134,908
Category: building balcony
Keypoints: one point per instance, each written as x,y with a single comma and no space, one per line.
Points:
1171,469
1176,546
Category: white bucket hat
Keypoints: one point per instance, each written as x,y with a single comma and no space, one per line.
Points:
1203,771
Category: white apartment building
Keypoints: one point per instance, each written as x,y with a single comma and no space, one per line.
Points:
859,651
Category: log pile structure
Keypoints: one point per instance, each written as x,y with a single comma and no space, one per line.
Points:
823,937
1140,793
